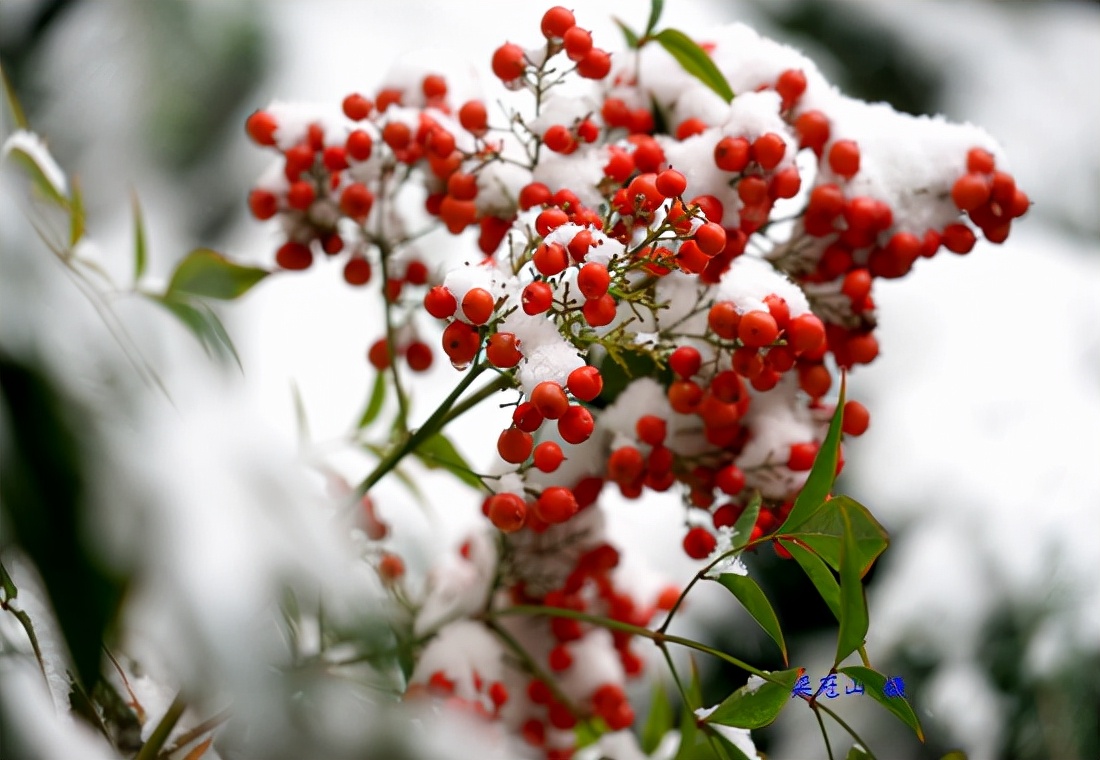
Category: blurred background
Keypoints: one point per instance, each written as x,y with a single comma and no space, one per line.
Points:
983,458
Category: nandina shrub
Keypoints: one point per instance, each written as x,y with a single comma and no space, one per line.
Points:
664,258
664,261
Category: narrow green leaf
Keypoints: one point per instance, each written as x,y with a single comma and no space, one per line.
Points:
742,529
588,732
201,320
755,704
300,418
824,532
39,178
655,8
823,473
752,598
629,34
818,573
694,61
140,258
438,452
207,273
853,601
874,684
76,214
659,721
17,114
374,404
858,753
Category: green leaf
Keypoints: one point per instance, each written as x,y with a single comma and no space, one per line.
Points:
853,601
824,531
139,240
742,529
201,320
659,721
374,404
300,418
756,705
14,106
818,573
39,178
207,273
438,452
76,214
694,61
655,8
858,753
823,473
588,732
874,684
752,598
629,34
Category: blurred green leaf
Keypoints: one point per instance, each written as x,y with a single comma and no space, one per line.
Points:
655,8
76,213
374,404
694,61
629,35
438,452
823,473
659,721
858,753
818,573
752,598
39,178
16,108
824,533
874,684
853,601
201,320
755,705
207,273
139,240
742,529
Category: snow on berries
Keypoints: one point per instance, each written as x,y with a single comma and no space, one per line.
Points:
667,283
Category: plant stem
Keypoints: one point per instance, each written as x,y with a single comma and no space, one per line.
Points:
846,727
10,592
189,736
714,745
502,382
824,731
152,747
431,426
391,342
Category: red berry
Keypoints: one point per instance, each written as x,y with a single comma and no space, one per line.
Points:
576,425
397,135
724,320
506,511
434,87
300,195
856,418
559,139
971,191
478,305
757,329
752,190
263,204
844,158
625,465
461,342
671,183
357,271
379,354
550,219
514,445
390,567
731,154
473,117
979,160
599,311
548,456
684,396
856,285
806,332
690,127
559,660
785,183
556,505
593,279
801,457
359,145
418,356
699,543
596,64
356,201
440,302
533,194
537,298
778,308
577,42
509,62
556,22
790,86
768,150
685,361
813,130
550,259
293,256
502,351
711,238
651,429
550,399
585,383
730,480
526,417
958,238
261,128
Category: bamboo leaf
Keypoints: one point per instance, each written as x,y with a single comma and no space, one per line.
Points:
207,273
16,108
76,214
655,8
48,186
875,687
752,598
659,721
853,601
818,573
694,61
374,403
629,34
140,257
755,704
204,324
438,452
